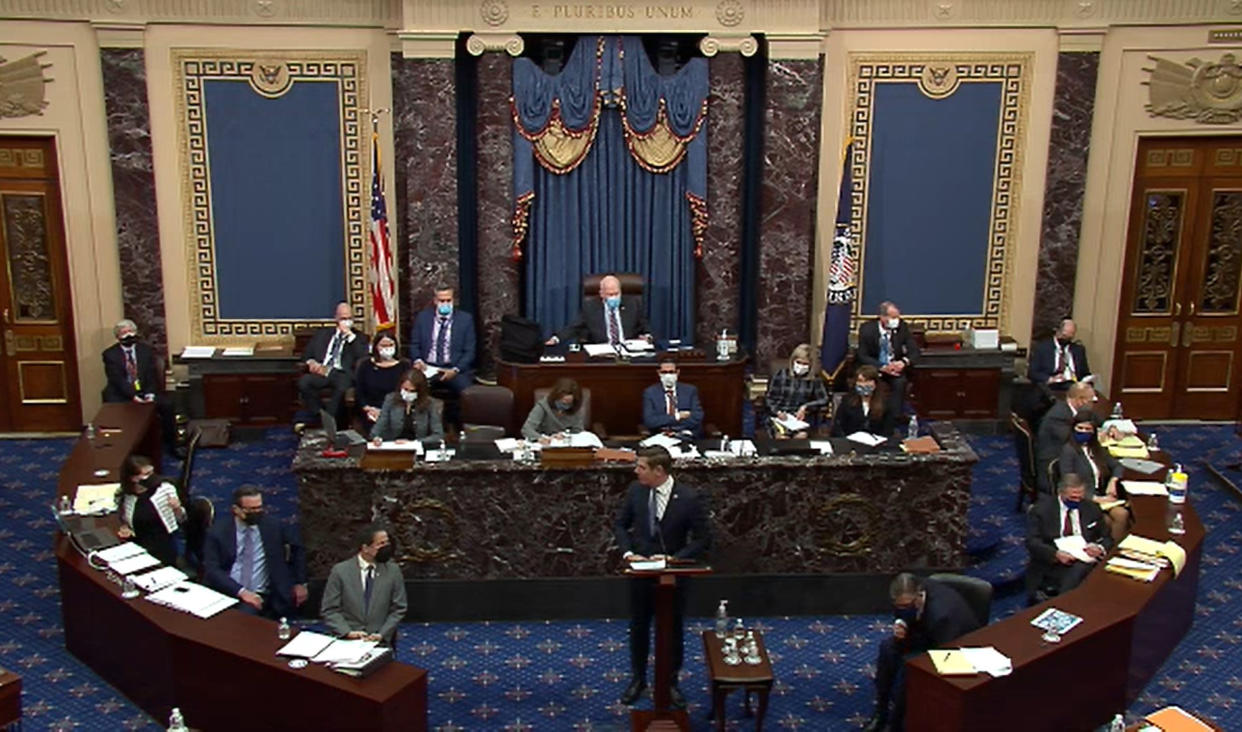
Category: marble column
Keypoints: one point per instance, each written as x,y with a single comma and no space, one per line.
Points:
787,206
424,123
718,272
1064,187
133,185
499,285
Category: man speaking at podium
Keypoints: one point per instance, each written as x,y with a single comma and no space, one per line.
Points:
658,519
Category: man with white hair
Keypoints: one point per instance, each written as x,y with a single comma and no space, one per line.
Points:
610,319
134,375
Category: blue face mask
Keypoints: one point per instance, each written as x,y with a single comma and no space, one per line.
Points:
864,389
1082,438
907,615
613,302
445,309
1070,505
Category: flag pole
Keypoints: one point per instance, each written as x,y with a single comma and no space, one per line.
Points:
376,173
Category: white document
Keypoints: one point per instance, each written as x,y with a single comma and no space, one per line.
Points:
344,651
661,439
742,448
1126,563
136,563
866,438
507,444
651,565
159,579
551,359
162,506
1075,546
96,498
585,439
198,352
189,597
792,423
439,456
1145,488
414,446
637,344
988,660
430,371
121,551
824,446
677,452
599,349
238,351
1124,426
306,644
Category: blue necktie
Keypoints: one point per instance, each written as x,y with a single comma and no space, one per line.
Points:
332,349
442,342
885,349
651,514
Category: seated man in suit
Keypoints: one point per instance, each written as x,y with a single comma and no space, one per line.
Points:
672,407
611,319
1060,360
1055,428
133,376
658,519
444,337
927,615
887,344
331,357
365,594
1070,513
254,557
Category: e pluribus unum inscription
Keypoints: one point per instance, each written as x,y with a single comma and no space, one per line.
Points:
594,11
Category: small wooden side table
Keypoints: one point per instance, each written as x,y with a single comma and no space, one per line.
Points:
748,678
10,700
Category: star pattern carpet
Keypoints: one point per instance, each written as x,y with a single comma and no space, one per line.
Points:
567,675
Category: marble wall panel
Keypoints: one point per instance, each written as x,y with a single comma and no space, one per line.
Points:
424,124
133,184
787,206
499,285
718,272
1064,186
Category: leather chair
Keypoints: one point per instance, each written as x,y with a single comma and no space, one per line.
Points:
201,515
631,284
1054,474
1024,446
976,592
487,405
596,427
187,467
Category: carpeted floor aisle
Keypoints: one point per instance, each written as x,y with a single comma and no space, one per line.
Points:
567,675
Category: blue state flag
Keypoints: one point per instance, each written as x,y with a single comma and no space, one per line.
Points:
842,269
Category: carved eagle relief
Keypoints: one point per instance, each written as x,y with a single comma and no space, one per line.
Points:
1207,92
21,86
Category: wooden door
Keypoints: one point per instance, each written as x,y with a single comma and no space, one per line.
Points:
1178,339
40,391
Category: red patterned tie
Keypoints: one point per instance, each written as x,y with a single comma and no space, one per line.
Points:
131,365
1068,529
614,331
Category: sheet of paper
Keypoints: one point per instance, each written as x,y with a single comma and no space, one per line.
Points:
160,500
1145,488
742,448
413,446
306,644
1176,719
824,446
198,352
792,423
439,456
1176,556
951,663
344,651
1141,544
507,444
99,498
1138,465
1124,426
136,563
599,349
430,371
585,439
662,440
238,351
192,598
160,578
866,438
1142,575
638,344
688,452
988,660
1139,452
1075,546
121,551
651,565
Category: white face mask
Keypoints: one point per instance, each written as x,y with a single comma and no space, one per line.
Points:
801,369
347,323
893,323
387,352
408,395
668,380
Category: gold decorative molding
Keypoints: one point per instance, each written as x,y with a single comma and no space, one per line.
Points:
479,43
712,45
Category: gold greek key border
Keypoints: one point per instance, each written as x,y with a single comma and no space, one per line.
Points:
191,66
1013,71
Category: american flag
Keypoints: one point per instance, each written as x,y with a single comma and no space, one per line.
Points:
383,280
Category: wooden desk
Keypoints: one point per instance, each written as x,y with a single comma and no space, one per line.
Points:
10,699
259,390
617,388
962,383
220,670
725,678
1129,628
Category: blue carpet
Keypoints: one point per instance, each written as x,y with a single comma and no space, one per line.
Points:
567,675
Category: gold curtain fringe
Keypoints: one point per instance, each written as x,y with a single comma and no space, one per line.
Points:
559,148
521,223
659,149
698,224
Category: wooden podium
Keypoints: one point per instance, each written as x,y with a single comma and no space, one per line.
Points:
661,717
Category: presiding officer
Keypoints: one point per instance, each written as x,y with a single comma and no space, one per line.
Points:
658,518
252,556
365,594
611,319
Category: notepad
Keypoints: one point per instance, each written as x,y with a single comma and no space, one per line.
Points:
1129,452
1176,719
198,352
951,663
1169,550
866,438
1145,488
306,644
99,498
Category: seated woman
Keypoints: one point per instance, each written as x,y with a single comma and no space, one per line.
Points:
556,415
409,413
1083,455
142,491
794,392
377,376
864,409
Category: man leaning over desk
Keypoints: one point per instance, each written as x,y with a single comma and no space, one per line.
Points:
365,594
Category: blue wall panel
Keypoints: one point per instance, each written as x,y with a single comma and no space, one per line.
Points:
277,209
929,198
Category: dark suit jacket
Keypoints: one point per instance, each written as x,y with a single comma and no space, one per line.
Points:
590,326
1054,431
849,419
1073,460
119,387
220,551
683,531
462,340
428,424
344,606
655,411
945,618
352,352
1043,528
903,345
1044,356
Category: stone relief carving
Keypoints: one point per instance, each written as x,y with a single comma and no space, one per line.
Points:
21,86
1207,92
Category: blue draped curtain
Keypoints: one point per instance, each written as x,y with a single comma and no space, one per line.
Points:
610,174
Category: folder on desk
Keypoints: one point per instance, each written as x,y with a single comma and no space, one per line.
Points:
1129,452
951,663
1169,550
1176,719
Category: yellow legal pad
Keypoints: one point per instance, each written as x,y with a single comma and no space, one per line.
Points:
1169,550
951,663
1129,452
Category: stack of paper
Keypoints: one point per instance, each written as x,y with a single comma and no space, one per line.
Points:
650,565
1139,452
1125,441
599,349
134,564
1142,571
344,651
1124,426
96,498
1142,548
414,446
306,644
792,423
551,359
159,579
192,598
689,452
119,552
661,439
1139,465
638,344
238,351
198,352
1075,546
866,438
507,444
824,446
160,500
964,661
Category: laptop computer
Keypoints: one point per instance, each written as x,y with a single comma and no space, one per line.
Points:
342,439
85,534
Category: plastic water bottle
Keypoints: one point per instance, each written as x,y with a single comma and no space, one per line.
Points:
1117,411
724,443
722,619
176,722
65,506
739,631
90,430
1118,724
283,631
1153,445
912,431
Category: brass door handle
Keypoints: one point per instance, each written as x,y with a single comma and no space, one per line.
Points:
1177,332
6,316
10,343
1187,335
1177,309
1192,308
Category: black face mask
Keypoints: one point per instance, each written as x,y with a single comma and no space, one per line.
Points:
151,482
252,518
1063,342
384,554
129,340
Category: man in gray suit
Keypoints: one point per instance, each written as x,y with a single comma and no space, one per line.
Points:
365,594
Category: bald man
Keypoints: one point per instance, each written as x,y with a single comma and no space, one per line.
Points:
610,319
